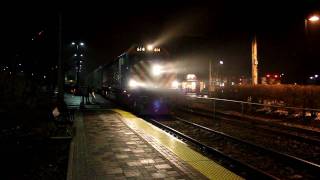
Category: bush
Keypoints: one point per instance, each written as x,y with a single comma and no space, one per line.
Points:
291,95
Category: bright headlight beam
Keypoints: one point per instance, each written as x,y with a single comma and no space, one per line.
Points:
175,84
149,47
133,83
156,70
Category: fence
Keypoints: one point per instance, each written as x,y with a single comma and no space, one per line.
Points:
247,108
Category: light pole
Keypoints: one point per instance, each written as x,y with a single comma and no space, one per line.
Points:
60,80
312,19
213,76
78,55
309,21
77,45
219,76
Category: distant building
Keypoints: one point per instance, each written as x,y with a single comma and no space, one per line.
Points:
191,85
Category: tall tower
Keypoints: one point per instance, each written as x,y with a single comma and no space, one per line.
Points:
210,77
254,53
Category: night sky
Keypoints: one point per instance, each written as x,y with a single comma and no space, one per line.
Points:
193,32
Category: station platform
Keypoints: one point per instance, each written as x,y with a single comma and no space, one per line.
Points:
114,144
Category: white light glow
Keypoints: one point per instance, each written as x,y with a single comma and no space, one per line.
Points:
81,44
316,76
175,85
193,85
133,83
156,49
221,62
156,70
149,47
311,77
314,18
191,77
141,48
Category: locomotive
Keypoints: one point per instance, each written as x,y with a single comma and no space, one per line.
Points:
142,79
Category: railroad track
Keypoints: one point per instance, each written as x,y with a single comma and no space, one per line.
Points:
277,139
304,134
259,161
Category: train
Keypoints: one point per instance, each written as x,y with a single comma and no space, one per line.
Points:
142,79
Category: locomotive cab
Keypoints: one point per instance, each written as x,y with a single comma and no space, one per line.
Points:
139,79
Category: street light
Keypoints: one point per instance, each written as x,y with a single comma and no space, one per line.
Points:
78,54
312,19
77,44
214,75
219,73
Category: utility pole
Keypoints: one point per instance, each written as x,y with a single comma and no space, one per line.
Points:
254,61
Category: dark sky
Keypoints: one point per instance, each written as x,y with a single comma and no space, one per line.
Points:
194,32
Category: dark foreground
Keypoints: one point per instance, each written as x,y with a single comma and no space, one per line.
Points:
27,150
34,159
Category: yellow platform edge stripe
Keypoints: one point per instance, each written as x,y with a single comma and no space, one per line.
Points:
201,163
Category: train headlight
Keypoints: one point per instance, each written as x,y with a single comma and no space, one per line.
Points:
156,70
149,47
175,85
133,83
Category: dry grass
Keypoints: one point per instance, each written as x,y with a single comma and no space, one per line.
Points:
291,95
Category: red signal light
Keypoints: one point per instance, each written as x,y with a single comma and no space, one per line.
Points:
268,75
276,76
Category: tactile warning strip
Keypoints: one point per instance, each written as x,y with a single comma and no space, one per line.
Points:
201,163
